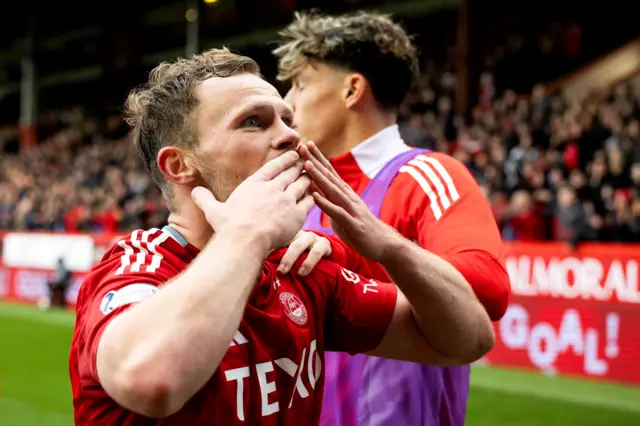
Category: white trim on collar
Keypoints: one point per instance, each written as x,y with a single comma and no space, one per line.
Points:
376,151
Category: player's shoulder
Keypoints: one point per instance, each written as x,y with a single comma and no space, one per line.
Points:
434,179
139,239
145,251
434,171
142,257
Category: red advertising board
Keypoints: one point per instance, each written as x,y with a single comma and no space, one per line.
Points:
572,312
28,285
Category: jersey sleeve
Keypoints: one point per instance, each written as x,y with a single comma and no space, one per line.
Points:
436,202
130,272
345,256
359,309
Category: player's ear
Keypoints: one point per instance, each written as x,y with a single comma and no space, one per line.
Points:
355,86
177,166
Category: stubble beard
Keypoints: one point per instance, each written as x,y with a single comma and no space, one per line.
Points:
220,180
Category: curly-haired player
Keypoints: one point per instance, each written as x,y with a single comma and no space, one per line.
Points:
349,75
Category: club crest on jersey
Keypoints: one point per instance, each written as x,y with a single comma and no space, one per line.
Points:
293,308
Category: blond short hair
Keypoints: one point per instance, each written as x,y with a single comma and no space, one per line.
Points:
371,44
162,111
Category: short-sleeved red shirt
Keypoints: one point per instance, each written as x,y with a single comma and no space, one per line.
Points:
272,373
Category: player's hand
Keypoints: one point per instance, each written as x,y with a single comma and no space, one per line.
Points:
350,217
317,246
271,204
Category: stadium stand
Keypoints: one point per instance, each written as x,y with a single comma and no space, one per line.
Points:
553,171
84,176
532,153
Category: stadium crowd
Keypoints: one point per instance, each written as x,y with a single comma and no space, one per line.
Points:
553,171
84,176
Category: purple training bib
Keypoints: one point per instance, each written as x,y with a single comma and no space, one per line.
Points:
368,391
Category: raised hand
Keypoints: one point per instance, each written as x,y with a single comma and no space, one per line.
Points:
351,219
272,203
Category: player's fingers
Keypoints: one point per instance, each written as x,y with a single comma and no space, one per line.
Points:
329,171
321,248
288,176
322,163
307,155
335,212
275,167
298,188
306,204
314,188
328,188
206,201
302,241
315,151
309,150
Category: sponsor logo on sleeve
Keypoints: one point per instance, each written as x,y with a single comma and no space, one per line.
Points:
132,293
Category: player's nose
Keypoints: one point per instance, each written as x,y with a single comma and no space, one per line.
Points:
288,139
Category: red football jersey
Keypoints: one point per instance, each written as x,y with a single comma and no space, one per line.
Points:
272,373
436,202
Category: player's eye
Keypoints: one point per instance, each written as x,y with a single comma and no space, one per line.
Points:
253,121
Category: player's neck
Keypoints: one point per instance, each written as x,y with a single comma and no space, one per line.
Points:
359,127
190,222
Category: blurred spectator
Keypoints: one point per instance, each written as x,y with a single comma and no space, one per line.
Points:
571,218
522,220
59,284
415,133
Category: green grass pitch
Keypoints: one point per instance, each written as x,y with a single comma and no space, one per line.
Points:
35,389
